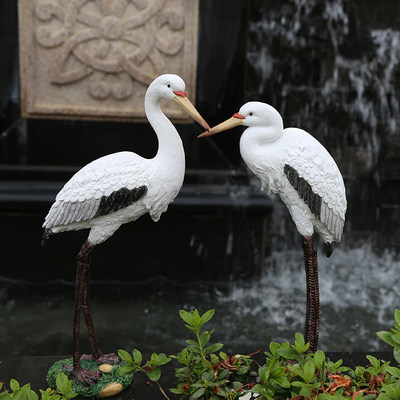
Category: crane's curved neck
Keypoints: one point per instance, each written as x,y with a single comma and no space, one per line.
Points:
169,142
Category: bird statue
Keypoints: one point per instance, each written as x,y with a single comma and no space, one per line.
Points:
293,164
116,189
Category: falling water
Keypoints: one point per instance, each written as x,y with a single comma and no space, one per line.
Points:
308,62
357,300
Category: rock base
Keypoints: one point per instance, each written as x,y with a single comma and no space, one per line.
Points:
110,383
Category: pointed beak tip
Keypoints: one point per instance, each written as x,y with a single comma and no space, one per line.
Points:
204,134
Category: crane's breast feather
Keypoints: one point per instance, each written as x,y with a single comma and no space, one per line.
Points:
315,202
66,212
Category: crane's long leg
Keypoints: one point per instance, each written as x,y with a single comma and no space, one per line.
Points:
83,260
86,306
312,311
96,352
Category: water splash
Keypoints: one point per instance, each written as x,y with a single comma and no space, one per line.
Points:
358,297
307,61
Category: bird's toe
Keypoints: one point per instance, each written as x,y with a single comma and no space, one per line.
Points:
110,358
89,377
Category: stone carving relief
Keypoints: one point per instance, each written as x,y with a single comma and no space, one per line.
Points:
95,58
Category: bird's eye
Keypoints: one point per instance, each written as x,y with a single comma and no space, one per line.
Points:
168,85
251,114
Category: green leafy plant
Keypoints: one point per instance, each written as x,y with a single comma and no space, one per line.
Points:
290,372
134,364
203,374
393,337
18,392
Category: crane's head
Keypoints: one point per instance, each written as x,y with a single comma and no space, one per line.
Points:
172,87
251,114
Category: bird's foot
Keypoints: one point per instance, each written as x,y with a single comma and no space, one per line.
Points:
86,376
110,358
90,377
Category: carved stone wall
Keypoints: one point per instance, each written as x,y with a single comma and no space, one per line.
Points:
93,59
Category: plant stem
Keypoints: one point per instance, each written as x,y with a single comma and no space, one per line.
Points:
162,391
200,346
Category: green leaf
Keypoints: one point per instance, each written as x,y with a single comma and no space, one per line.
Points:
194,349
163,359
154,358
367,397
273,347
154,374
176,391
237,385
32,395
137,356
196,319
14,385
207,316
187,317
242,370
205,338
300,342
288,352
374,361
62,382
282,381
397,316
198,393
214,359
207,376
213,348
257,388
191,328
388,337
223,374
319,359
299,384
309,370
263,372
206,364
396,355
125,356
127,369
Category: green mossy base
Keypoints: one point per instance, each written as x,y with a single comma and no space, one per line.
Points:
81,388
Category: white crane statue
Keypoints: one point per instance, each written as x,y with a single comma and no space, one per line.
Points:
116,189
293,164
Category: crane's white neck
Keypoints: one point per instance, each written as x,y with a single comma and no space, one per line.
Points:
262,135
170,145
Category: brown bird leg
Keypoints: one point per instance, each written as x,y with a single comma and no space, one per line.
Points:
312,311
97,355
83,259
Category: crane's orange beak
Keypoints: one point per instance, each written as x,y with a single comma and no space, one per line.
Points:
184,102
230,123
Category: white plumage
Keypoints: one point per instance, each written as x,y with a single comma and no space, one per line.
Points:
117,189
279,157
293,164
152,183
